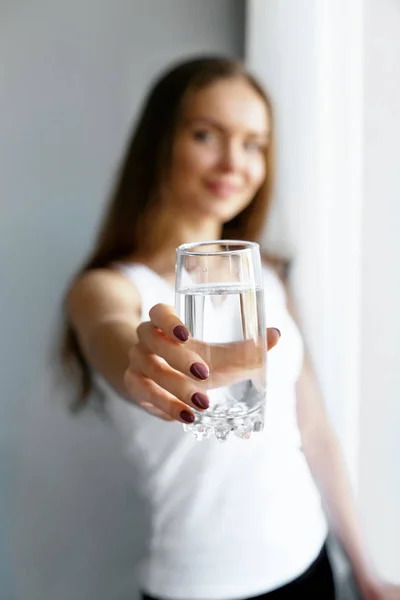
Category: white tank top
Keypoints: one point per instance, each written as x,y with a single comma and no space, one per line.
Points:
229,520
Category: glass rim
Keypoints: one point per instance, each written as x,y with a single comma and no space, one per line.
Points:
188,249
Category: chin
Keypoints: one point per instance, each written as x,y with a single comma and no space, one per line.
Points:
223,214
219,216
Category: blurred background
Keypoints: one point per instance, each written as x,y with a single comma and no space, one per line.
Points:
72,76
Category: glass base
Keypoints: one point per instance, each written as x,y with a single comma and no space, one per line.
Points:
221,425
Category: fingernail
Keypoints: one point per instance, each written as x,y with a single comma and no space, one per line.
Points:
187,416
276,329
200,400
181,333
199,371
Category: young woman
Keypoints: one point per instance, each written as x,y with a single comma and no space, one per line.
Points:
229,521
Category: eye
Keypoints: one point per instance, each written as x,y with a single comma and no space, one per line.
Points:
254,146
202,135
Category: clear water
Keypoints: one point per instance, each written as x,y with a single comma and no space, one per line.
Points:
227,325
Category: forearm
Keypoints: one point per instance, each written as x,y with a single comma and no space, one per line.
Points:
107,350
327,465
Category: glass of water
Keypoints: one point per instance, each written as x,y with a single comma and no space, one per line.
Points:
220,299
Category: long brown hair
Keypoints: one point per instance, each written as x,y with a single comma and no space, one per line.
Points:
126,224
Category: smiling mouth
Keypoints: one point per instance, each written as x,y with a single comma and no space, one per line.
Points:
222,189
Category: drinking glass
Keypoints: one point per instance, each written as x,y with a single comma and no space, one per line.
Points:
220,298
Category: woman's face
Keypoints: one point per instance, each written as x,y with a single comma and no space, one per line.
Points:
218,157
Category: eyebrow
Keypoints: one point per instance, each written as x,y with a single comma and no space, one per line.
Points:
207,120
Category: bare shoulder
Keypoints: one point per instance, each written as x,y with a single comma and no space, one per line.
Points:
281,267
277,263
99,294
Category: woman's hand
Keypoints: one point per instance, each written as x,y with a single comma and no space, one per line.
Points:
377,590
167,373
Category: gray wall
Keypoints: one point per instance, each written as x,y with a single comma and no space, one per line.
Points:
72,76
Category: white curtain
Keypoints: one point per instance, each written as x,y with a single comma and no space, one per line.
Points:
331,67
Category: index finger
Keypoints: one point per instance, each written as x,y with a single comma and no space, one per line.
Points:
164,317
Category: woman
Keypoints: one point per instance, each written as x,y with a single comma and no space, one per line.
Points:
242,519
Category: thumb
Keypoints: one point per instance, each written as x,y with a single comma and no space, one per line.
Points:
273,335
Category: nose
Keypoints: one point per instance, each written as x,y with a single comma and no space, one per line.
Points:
231,158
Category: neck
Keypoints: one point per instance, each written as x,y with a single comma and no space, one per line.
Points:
193,231
176,230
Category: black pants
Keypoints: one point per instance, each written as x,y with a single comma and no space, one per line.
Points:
316,582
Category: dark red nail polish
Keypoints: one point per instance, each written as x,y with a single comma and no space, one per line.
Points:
199,371
181,333
187,416
200,400
278,330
